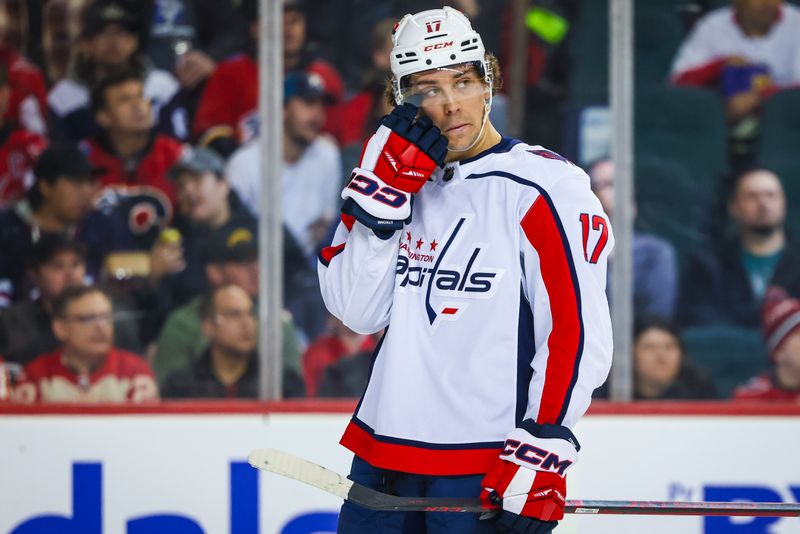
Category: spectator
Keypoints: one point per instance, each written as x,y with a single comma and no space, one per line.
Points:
228,111
229,366
60,202
110,44
748,49
56,263
231,258
19,149
726,283
312,177
338,343
87,367
130,159
781,325
662,369
655,270
189,37
27,91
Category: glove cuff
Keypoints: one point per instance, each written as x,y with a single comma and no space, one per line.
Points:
383,228
554,449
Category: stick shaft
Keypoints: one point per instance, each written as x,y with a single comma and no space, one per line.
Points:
320,477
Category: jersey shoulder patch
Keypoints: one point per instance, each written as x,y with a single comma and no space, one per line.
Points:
549,154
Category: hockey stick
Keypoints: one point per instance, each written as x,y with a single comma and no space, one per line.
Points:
315,475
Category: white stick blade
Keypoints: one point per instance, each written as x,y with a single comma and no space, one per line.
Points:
290,466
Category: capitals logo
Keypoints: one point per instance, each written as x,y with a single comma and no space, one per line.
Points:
448,276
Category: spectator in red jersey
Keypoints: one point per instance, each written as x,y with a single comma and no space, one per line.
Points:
59,202
56,263
781,325
130,158
338,343
748,51
662,369
19,149
228,111
229,366
87,367
27,99
110,44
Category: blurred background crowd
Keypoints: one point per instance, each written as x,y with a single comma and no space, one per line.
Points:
130,186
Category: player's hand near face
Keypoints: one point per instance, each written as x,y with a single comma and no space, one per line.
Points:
396,163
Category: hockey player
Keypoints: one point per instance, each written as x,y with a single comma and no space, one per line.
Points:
485,260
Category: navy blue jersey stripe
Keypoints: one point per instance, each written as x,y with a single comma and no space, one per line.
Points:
425,445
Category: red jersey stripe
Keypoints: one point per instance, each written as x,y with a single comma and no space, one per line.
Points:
702,76
564,343
418,460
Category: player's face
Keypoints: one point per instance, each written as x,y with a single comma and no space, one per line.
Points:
64,270
759,203
455,100
658,357
127,110
87,328
202,197
69,200
114,46
787,362
233,328
304,119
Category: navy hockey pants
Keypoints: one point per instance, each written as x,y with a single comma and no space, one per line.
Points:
354,519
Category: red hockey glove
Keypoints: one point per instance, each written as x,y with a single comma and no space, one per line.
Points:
529,478
396,162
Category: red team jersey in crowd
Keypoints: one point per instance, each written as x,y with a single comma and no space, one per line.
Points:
123,377
764,388
28,99
19,150
493,298
231,97
718,36
143,180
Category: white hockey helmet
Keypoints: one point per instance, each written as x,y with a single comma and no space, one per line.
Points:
434,39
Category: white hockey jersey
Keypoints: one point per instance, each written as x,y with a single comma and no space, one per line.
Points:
493,299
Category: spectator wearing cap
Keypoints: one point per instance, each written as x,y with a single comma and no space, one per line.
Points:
208,211
130,158
780,322
230,259
228,367
19,148
312,171
56,263
60,202
86,367
228,110
110,43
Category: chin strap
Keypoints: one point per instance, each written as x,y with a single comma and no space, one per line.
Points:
487,106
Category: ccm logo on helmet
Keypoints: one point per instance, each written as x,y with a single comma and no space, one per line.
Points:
437,46
534,455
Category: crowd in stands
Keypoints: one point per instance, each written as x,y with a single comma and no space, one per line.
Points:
130,190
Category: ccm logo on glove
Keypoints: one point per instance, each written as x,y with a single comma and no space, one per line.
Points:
545,460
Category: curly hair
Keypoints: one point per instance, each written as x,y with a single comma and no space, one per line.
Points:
494,68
